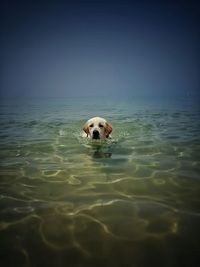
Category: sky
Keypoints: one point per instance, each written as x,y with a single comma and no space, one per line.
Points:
99,48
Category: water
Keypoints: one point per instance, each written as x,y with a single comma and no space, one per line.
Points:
131,201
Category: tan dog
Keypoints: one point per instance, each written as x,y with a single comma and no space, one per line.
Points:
97,128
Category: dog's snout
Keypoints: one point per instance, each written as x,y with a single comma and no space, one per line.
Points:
96,134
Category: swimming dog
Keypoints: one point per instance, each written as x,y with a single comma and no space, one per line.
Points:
97,128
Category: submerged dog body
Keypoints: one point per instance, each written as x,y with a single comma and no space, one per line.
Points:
97,128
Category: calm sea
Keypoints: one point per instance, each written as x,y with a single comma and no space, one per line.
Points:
132,201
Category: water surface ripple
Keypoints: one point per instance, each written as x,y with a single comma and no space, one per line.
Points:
130,201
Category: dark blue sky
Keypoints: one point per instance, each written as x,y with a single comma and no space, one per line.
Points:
82,48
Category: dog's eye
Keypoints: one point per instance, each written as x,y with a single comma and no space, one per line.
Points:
91,125
101,125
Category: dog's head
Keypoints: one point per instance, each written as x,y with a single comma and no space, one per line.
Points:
97,128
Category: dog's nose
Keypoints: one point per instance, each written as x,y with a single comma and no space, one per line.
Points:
96,134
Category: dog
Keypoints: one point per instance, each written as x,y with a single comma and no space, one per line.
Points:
97,128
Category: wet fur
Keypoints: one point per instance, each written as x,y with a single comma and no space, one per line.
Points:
97,124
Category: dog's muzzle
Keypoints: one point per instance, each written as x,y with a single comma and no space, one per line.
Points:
96,134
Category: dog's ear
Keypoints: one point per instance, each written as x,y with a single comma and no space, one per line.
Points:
86,128
108,128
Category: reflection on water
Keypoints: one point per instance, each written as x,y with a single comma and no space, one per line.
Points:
132,200
100,149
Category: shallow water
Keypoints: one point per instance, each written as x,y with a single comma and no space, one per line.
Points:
130,201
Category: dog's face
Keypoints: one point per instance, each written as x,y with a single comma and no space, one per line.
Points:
97,128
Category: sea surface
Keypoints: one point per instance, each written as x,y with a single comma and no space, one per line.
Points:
130,201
